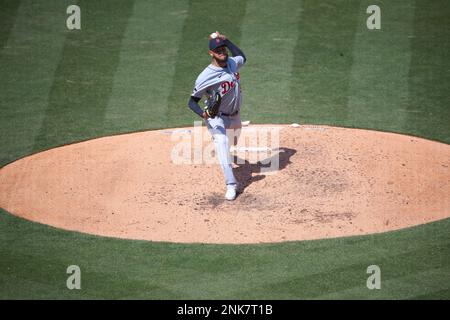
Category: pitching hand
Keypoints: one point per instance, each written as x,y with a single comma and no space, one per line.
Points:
221,36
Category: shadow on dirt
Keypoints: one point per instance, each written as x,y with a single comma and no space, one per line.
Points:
246,173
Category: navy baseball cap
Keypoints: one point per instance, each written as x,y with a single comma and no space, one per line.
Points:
215,43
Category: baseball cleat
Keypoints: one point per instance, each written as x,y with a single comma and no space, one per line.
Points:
231,192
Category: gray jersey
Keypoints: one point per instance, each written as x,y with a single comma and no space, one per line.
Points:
223,80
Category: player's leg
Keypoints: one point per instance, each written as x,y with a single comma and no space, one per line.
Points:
216,127
233,127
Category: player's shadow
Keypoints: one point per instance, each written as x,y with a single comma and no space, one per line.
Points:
246,173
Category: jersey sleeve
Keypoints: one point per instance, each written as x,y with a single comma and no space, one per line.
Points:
200,88
238,60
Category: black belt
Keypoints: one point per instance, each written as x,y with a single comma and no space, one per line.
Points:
229,114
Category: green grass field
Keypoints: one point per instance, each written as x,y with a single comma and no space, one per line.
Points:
132,66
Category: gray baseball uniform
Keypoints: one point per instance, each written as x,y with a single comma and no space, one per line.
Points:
227,124
222,80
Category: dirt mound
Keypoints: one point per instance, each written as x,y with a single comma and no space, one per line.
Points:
328,182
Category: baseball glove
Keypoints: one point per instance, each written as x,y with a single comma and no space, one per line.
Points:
213,104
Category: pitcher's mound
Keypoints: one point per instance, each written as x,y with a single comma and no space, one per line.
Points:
328,182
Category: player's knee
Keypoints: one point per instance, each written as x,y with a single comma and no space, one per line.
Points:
220,138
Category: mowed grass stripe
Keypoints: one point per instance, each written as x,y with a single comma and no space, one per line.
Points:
28,61
13,287
430,283
311,276
8,13
309,269
428,109
322,63
269,36
378,93
83,80
435,295
143,80
192,55
159,270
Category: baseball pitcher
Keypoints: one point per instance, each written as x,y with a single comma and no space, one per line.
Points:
220,83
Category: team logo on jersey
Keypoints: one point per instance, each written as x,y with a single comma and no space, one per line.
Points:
227,85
